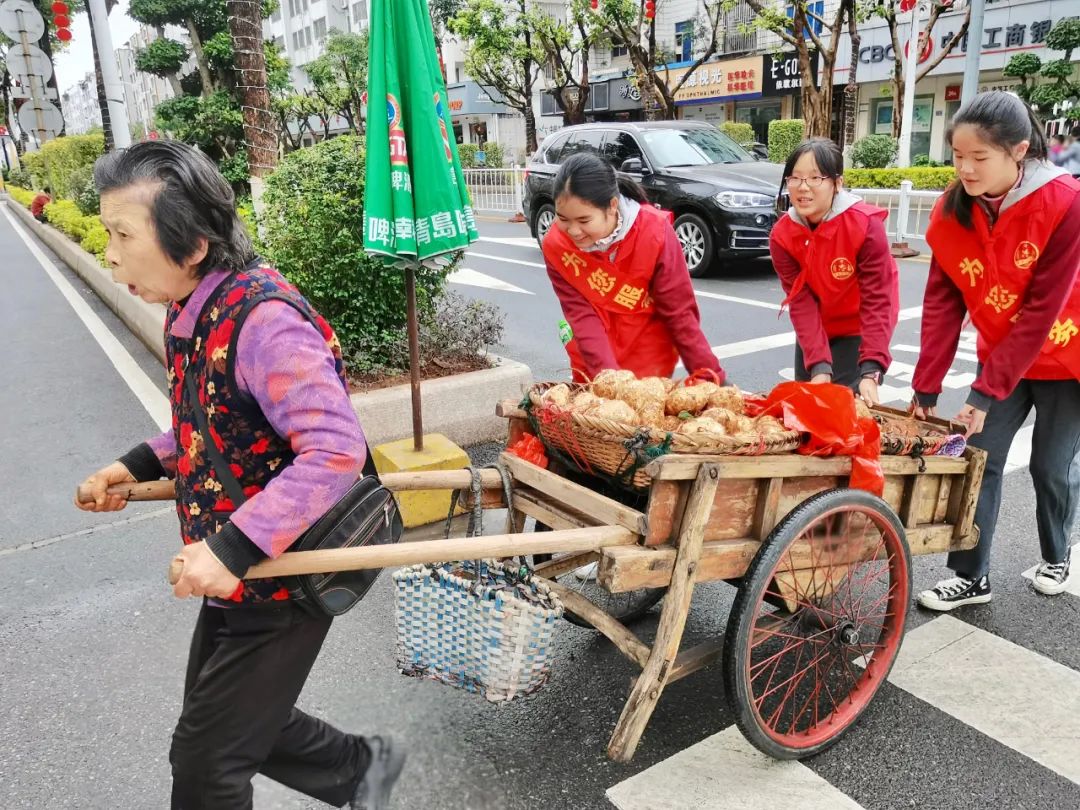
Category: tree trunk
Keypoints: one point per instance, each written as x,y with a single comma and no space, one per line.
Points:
851,91
245,27
200,57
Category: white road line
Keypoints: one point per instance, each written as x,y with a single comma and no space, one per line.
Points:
1009,693
725,771
513,241
155,402
903,347
752,345
750,302
1074,584
473,278
504,259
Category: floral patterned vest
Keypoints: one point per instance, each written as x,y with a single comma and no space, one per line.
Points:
255,453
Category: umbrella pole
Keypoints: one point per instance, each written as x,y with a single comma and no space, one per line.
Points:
414,358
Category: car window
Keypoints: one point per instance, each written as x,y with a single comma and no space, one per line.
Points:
554,146
620,147
587,140
693,147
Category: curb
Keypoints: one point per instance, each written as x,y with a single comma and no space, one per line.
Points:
461,407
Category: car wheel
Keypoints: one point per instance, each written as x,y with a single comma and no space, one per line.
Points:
545,218
697,244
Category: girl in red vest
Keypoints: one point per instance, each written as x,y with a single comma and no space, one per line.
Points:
833,259
1006,248
620,276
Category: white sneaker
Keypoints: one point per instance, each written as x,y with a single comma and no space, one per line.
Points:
587,572
1052,579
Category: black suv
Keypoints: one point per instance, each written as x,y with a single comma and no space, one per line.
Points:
723,198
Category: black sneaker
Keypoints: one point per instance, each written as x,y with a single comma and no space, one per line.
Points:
1052,578
956,592
373,792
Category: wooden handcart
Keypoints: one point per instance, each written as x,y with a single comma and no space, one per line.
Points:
823,572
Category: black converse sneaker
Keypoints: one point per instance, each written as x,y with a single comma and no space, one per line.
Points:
1051,578
956,592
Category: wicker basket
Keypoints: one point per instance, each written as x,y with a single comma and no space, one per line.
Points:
488,633
620,451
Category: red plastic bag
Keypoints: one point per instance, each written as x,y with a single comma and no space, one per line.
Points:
825,415
530,448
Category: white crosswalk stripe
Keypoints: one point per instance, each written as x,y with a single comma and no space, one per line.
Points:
993,685
474,278
725,771
1019,697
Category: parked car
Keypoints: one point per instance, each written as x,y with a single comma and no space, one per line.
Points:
722,197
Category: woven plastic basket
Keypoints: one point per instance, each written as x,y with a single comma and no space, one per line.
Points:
487,632
598,445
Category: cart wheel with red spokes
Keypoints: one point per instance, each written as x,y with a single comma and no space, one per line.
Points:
817,623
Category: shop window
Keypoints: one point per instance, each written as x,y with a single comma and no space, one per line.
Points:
882,122
684,40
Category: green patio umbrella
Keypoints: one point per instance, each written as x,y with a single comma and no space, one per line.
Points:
416,207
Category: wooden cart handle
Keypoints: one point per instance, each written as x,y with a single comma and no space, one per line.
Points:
395,482
331,560
146,491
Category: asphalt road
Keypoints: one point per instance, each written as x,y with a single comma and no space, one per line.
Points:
94,644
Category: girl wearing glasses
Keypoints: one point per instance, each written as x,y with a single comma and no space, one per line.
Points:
1006,250
832,255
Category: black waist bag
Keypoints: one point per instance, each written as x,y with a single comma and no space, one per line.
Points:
366,515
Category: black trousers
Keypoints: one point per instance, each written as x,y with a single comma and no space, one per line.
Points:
1055,469
845,361
245,672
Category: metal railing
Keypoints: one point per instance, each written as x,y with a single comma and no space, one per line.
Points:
497,190
501,191
909,210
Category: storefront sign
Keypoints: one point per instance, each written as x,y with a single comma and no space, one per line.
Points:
469,98
782,76
952,92
718,81
1008,28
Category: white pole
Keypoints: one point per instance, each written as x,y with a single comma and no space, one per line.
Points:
974,50
911,64
114,89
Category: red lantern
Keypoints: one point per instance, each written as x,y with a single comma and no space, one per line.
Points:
63,34
60,8
62,21
595,4
650,9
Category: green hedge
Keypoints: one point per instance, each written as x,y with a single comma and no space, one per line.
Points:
23,196
922,177
467,155
493,155
313,232
88,231
742,134
784,136
58,162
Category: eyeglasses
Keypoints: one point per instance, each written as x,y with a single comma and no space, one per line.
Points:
793,183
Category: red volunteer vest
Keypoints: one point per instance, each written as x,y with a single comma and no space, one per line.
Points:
826,256
619,293
992,268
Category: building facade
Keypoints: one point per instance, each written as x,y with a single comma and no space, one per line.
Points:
79,104
1009,28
